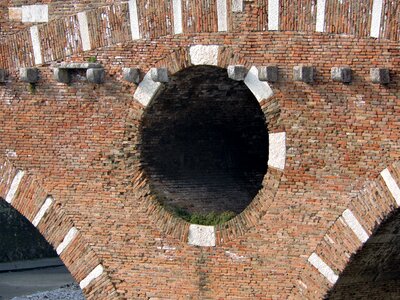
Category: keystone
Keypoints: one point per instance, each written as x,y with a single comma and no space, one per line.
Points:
304,73
237,72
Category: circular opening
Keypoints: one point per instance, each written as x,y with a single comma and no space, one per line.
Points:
204,145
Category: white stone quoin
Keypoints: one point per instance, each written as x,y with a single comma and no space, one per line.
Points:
177,10
273,14
392,185
35,13
320,26
147,90
260,89
69,237
96,272
46,205
200,235
134,19
277,150
204,55
37,51
14,186
84,30
355,225
376,18
222,15
323,268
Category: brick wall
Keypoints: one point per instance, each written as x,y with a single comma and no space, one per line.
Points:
81,141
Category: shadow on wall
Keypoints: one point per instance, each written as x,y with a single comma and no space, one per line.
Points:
19,239
374,272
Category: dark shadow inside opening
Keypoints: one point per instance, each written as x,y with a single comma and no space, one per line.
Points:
374,271
204,143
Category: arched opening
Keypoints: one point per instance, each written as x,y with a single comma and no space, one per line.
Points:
204,143
374,271
28,263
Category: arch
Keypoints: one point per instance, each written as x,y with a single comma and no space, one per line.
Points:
24,193
198,235
373,271
124,22
352,229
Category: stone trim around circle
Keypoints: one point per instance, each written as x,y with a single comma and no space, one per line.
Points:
352,229
210,236
24,193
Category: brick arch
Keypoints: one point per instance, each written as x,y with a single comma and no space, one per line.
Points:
364,213
148,90
25,194
123,22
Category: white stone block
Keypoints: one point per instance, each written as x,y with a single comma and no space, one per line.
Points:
69,237
260,89
273,14
14,186
177,10
35,13
204,55
84,30
320,26
392,185
200,235
37,51
134,19
355,225
96,272
46,205
376,18
323,268
277,150
222,15
147,90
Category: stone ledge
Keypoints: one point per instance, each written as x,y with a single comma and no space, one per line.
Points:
77,65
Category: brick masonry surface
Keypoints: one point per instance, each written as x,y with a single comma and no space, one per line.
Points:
79,144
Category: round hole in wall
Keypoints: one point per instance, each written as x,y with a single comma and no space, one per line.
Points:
204,144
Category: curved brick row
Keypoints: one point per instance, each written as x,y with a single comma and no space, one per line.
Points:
349,232
25,194
109,25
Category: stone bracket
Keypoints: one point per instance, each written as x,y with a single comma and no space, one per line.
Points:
268,73
341,74
30,75
237,72
380,76
304,73
94,71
